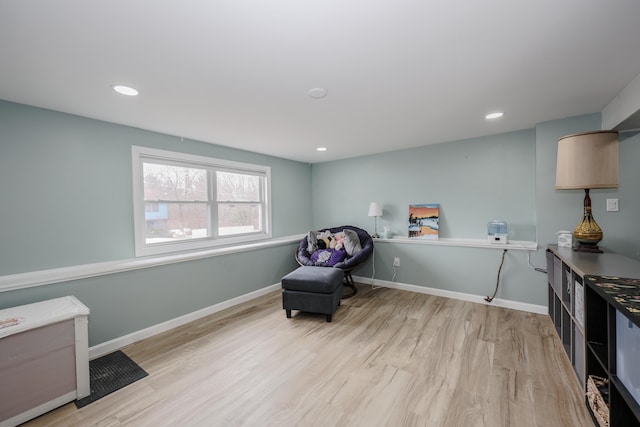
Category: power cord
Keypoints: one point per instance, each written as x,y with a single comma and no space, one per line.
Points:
538,269
373,263
489,299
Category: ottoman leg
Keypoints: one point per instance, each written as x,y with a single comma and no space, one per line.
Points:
328,318
288,314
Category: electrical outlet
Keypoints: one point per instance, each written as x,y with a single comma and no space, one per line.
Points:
396,262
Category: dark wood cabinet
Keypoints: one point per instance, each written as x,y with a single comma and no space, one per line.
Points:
586,304
566,308
611,352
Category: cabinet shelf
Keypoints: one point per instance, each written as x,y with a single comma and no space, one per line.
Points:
599,350
605,313
631,415
590,299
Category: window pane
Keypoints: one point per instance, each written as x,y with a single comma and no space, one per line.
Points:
238,218
175,221
164,182
190,202
235,187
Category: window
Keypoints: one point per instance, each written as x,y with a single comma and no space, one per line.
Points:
184,202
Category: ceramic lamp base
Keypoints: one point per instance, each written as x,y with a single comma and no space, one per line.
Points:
587,233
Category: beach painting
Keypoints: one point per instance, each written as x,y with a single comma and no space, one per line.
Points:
424,221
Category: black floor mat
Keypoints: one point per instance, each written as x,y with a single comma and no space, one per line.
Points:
110,373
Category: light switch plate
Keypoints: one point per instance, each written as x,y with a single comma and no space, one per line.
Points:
612,205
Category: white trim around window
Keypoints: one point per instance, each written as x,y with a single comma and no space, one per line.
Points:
157,229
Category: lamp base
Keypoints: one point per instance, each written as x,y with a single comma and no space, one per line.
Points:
587,233
580,247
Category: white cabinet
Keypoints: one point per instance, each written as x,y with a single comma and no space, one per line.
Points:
44,358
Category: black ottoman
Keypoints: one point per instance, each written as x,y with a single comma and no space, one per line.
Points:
312,289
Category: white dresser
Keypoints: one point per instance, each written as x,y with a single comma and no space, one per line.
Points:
44,358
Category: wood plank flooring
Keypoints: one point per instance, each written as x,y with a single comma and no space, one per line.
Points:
389,358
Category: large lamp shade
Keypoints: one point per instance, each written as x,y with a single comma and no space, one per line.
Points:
587,161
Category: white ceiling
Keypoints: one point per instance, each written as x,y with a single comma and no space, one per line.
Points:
399,73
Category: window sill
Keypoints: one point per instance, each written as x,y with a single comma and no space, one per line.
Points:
517,245
56,275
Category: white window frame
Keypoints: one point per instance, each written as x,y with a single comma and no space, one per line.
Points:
142,248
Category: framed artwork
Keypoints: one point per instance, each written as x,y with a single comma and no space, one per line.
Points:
424,221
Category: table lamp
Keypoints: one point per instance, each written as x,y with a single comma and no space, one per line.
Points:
586,161
375,210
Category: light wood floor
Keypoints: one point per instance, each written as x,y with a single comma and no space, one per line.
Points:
389,358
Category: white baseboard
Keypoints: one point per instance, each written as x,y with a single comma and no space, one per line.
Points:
39,410
117,343
514,305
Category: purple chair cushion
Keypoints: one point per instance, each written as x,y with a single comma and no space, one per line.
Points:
328,257
350,262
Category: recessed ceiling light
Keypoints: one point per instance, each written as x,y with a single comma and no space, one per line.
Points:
125,90
317,92
495,115
321,149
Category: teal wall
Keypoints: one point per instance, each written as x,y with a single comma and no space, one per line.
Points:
621,230
562,209
130,301
475,181
509,177
67,200
67,192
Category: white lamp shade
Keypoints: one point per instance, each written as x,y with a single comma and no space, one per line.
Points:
587,160
375,209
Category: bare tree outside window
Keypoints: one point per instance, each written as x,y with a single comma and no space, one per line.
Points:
180,194
239,209
188,202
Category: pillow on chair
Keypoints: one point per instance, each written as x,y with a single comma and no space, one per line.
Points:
312,242
351,242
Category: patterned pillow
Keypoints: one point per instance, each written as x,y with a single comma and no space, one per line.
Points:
328,257
312,242
351,242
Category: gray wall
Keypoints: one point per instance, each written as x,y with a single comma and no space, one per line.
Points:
66,200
